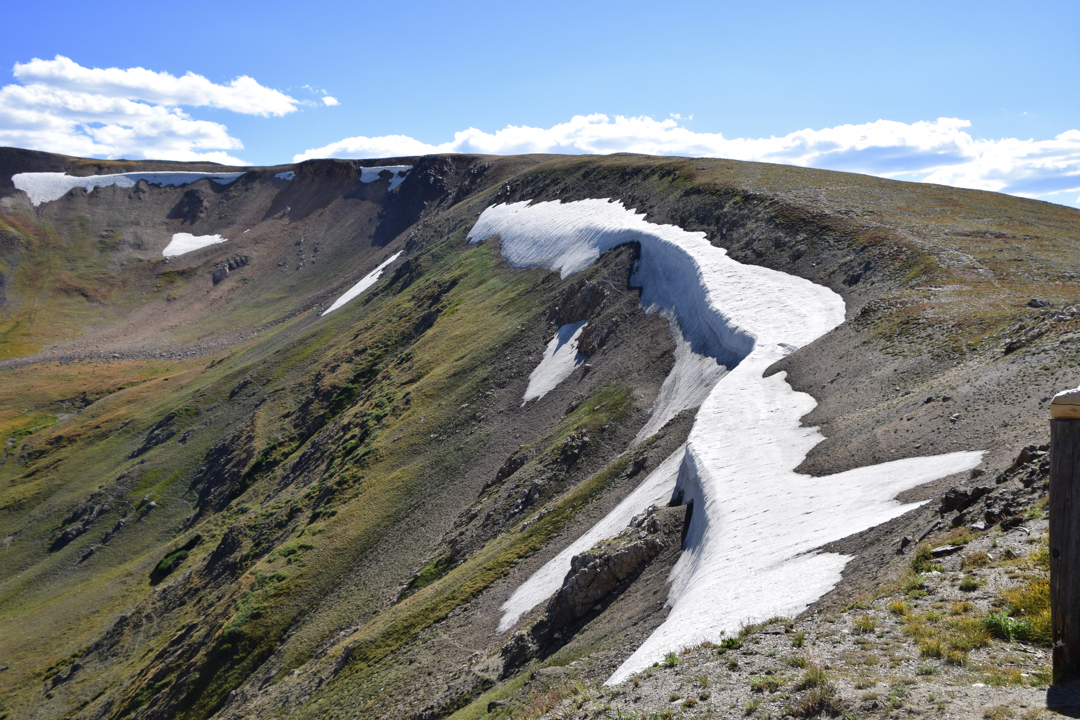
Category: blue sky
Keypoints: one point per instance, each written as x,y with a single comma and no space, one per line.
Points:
975,94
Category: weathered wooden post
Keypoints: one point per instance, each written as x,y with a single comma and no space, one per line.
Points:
1065,530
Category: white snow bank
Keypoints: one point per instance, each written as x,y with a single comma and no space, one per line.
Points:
367,281
287,175
48,186
750,545
186,242
560,359
397,174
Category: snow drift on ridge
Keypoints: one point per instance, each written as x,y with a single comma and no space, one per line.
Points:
749,551
48,186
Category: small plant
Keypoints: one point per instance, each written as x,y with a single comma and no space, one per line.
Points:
955,657
731,643
999,712
1007,628
671,660
927,670
1032,601
865,624
733,664
703,680
815,676
932,648
975,560
970,583
899,608
923,561
751,707
704,695
673,697
962,607
766,682
797,661
914,586
689,703
798,639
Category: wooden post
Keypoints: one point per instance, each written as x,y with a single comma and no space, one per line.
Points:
1065,530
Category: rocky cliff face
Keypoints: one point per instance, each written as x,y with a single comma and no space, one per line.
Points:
216,501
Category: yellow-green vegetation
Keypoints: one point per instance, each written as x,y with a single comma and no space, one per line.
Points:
59,278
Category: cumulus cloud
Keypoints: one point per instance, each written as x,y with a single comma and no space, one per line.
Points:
330,101
242,95
133,113
939,151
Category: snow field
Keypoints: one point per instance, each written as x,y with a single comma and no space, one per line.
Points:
749,552
186,242
559,361
287,175
397,174
367,281
48,186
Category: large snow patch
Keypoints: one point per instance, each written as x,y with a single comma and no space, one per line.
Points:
367,281
48,186
751,545
186,242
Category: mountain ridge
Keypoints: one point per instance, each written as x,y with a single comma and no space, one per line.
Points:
305,429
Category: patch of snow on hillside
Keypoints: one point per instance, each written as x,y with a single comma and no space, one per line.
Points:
48,186
397,174
750,546
560,359
186,242
288,175
367,281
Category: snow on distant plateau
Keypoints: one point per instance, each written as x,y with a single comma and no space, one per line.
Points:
397,174
751,549
48,186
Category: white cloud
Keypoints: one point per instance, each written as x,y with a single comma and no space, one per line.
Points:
134,113
330,101
242,95
940,151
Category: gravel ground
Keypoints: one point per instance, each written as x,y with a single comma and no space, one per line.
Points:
885,656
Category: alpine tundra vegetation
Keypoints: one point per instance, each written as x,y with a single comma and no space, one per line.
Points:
527,436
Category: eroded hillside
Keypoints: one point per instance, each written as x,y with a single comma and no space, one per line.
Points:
216,500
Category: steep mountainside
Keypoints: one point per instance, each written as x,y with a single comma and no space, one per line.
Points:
222,497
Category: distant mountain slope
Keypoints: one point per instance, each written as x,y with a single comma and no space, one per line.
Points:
216,500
